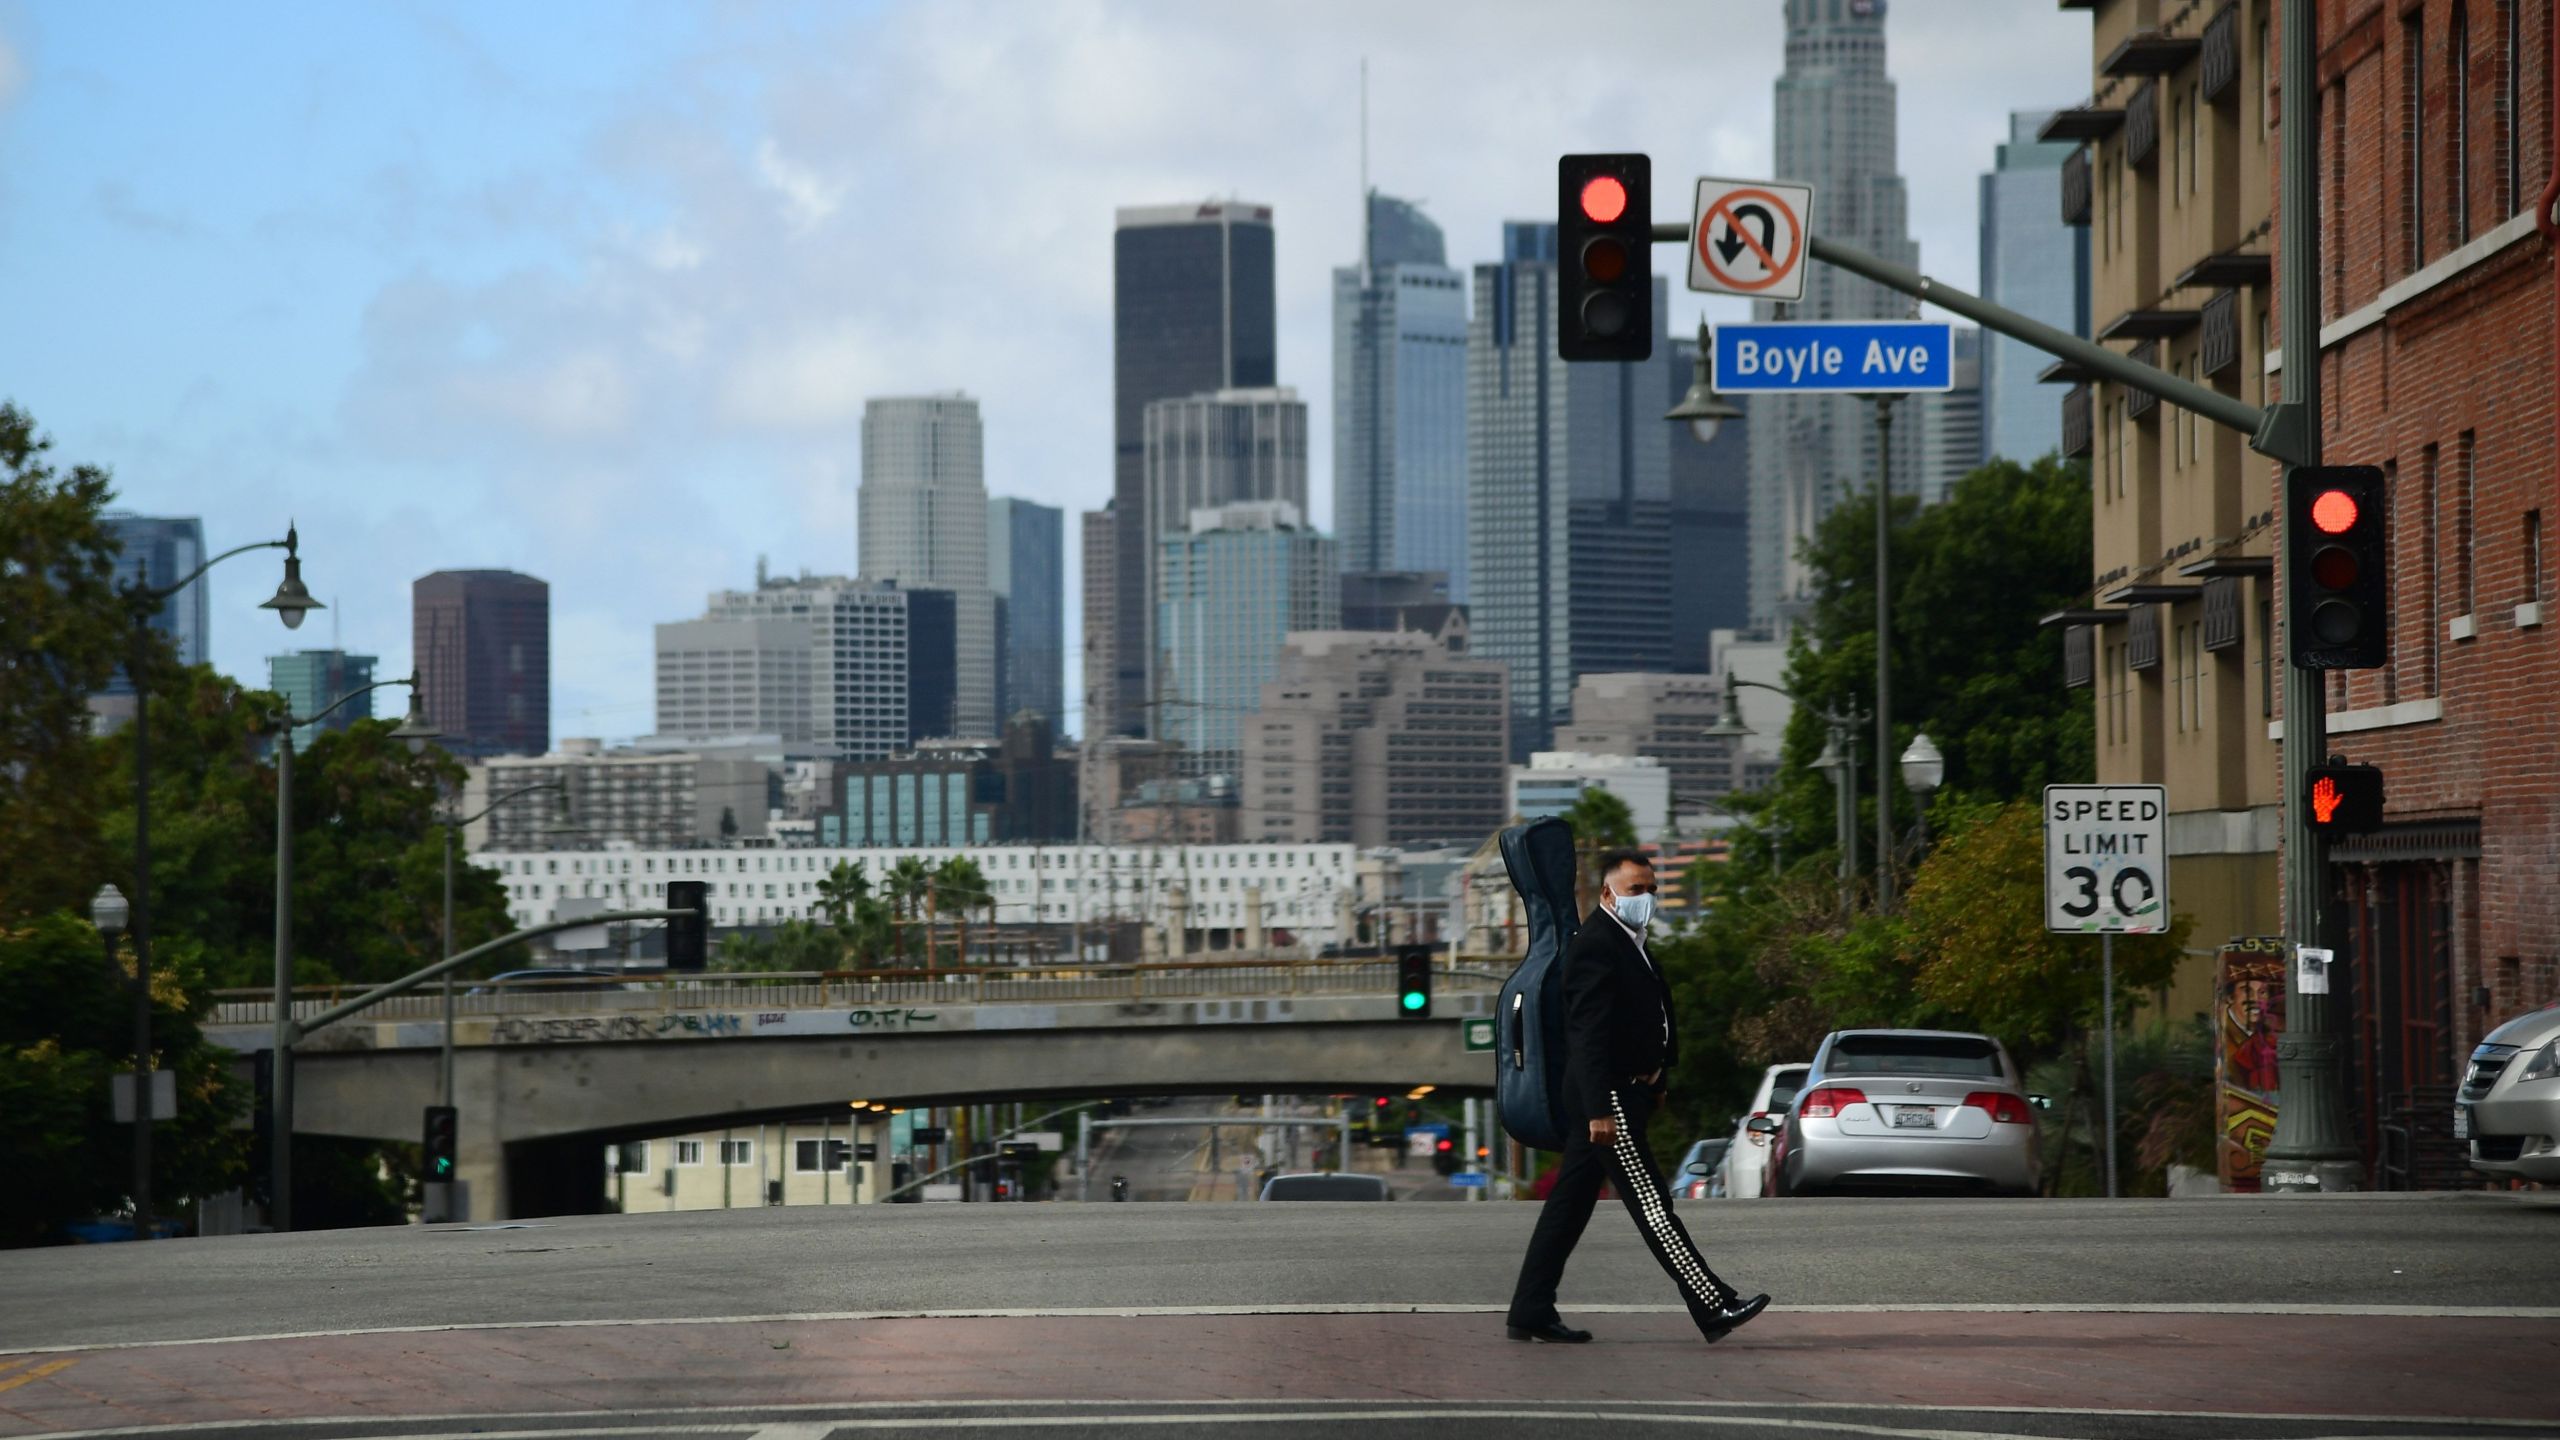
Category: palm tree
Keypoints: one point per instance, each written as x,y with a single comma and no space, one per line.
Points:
960,882
842,892
908,883
1600,822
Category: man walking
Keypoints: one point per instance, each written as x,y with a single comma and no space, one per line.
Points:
1619,1047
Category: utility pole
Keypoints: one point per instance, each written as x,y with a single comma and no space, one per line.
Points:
2311,1149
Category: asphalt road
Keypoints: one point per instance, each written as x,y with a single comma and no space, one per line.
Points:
2444,1250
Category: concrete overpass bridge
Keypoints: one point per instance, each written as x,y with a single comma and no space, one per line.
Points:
544,1080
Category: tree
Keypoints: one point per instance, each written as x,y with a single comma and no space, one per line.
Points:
1600,822
861,921
962,886
66,1028
908,882
63,632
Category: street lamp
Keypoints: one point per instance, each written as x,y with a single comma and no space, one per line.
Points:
416,731
109,911
439,1192
290,602
1922,770
1702,407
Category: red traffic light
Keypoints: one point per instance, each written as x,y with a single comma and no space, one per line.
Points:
1604,198
1446,1145
1382,1102
2334,512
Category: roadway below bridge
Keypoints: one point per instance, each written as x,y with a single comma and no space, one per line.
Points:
2228,1317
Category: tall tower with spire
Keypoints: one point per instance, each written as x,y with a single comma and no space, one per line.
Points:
1835,132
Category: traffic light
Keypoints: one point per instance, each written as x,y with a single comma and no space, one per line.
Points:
2343,799
2336,568
443,1142
1444,1156
1413,982
688,936
1604,249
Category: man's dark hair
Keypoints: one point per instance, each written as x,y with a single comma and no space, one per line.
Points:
1609,861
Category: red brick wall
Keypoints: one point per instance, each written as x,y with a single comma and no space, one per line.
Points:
2468,369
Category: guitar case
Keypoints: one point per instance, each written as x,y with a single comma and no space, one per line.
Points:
1529,1027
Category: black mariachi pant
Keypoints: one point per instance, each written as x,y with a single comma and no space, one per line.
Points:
1628,1165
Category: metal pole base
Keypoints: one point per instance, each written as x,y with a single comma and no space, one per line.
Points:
2310,1177
437,1207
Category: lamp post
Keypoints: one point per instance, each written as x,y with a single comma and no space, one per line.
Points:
1884,648
1923,768
109,911
415,730
439,1193
1838,764
1702,408
290,602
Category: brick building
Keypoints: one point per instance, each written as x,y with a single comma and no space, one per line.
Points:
2440,350
2438,364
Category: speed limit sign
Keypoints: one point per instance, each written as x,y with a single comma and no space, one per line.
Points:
2106,859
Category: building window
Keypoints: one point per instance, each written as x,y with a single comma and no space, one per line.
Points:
737,1152
2413,137
688,1153
2533,557
2430,600
632,1159
2457,59
2510,106
807,1157
2466,456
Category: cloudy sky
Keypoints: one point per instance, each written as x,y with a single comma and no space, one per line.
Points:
597,291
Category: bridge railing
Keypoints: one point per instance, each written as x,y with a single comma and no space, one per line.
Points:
658,993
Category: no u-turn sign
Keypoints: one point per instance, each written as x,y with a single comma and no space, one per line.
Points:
2106,859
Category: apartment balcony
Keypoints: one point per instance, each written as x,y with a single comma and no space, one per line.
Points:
2142,127
2221,73
2078,432
2149,53
2076,187
2139,403
2220,348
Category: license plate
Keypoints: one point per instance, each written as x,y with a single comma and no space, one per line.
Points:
2461,1122
1914,1117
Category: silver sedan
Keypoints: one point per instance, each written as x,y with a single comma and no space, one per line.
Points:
2509,1104
1906,1110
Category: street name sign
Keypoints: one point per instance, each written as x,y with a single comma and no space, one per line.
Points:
2106,859
1468,1179
1478,1033
1834,357
1747,237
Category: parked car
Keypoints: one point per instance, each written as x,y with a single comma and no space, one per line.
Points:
2509,1103
1902,1111
555,980
1695,1176
1321,1185
1746,1158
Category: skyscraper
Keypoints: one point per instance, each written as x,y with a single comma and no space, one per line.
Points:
1192,311
481,642
852,668
2036,265
1568,494
1203,452
313,680
158,551
1835,132
1099,704
1400,401
924,525
1950,421
1026,567
1376,739
1231,587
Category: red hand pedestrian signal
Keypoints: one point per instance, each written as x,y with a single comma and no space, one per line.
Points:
2344,799
2325,800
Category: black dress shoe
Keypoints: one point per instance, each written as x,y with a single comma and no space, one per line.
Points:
1554,1332
1717,1324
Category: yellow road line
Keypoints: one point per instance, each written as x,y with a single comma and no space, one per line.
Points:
38,1373
14,1364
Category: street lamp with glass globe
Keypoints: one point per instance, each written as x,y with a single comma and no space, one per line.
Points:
1702,407
291,602
1923,768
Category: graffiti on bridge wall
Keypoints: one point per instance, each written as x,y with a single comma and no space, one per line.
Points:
596,1029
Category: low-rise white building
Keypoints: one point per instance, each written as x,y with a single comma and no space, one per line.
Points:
1248,891
1554,779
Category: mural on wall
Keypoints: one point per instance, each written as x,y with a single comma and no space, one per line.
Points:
2248,1009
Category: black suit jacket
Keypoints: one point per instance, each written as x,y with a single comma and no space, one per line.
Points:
1617,1009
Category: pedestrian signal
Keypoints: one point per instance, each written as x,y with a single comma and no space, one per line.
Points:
2343,799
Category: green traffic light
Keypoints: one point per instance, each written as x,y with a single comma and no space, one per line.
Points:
1413,1000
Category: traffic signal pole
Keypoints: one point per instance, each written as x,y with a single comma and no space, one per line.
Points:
2311,1149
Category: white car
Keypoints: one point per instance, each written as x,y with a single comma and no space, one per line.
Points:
1746,1160
2509,1104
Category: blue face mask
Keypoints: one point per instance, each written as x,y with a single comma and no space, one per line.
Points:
1636,910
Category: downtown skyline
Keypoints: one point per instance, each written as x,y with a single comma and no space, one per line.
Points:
617,329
